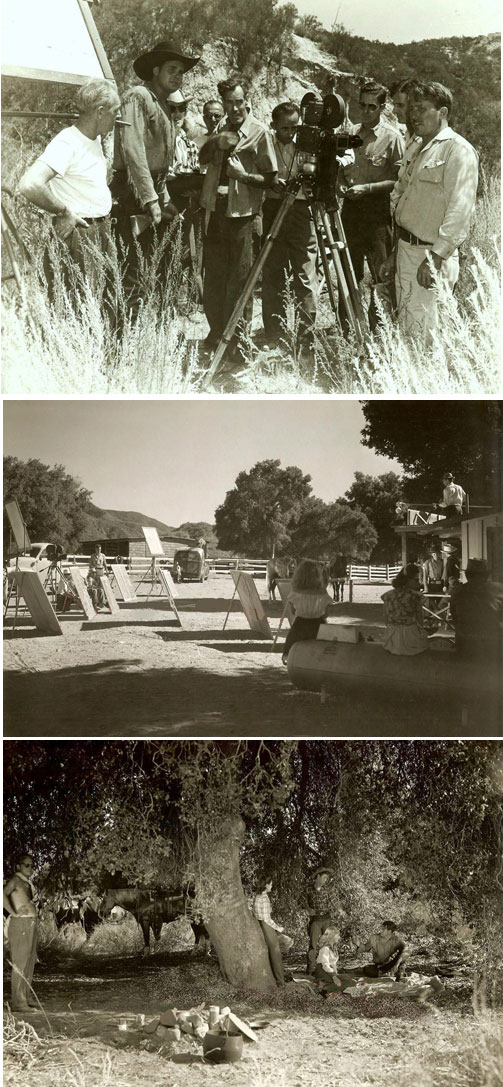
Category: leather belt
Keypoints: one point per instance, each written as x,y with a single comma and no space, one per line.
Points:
406,236
95,218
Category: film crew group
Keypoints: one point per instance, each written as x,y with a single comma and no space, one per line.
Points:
426,174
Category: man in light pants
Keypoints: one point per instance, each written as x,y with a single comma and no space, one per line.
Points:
434,199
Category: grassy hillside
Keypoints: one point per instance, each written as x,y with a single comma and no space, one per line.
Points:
114,524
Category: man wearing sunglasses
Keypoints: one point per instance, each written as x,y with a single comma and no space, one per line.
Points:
366,185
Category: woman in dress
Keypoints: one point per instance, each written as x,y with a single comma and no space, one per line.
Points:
403,613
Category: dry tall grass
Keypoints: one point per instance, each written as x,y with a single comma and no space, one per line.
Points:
51,348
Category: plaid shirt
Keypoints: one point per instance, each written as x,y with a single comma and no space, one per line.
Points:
325,902
262,909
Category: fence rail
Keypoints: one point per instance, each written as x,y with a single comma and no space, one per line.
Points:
385,572
256,567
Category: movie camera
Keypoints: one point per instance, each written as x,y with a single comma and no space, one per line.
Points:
319,147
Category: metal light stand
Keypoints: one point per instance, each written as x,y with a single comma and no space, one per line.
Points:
55,575
329,233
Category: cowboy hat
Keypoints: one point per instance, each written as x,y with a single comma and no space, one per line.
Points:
176,99
321,871
170,50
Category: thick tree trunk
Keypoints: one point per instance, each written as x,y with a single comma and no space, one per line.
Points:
235,934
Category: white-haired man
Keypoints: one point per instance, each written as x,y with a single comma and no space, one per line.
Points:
69,178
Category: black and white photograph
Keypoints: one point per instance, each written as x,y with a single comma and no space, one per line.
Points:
253,912
314,568
251,198
252,421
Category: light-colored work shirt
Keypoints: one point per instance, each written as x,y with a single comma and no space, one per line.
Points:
437,191
453,495
412,145
378,158
148,146
81,173
256,152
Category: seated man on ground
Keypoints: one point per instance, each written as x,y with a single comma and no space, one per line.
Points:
388,953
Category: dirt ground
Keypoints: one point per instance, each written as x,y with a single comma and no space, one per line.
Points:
139,674
302,1040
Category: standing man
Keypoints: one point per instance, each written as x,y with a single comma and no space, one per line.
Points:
19,903
241,163
366,184
325,911
453,497
294,249
435,199
477,614
97,569
69,180
145,155
400,94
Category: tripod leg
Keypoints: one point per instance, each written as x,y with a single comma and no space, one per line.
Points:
248,288
325,264
336,248
338,229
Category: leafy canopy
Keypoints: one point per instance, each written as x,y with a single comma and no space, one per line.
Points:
53,503
261,511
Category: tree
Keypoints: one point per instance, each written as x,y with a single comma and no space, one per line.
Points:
261,511
53,503
426,814
324,529
430,437
377,497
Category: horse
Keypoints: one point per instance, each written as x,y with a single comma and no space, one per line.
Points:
152,908
77,910
337,574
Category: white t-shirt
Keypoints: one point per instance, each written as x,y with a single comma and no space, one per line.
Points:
81,169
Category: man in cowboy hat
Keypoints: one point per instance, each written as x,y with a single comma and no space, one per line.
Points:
145,154
453,498
324,910
477,614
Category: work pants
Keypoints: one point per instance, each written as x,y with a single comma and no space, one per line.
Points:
228,257
418,310
293,253
273,947
368,230
316,927
138,254
85,255
23,952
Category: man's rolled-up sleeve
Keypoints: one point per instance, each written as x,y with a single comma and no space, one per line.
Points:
267,162
460,189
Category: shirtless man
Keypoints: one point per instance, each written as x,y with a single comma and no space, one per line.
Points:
18,901
388,953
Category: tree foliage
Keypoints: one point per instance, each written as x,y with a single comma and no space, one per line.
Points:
261,511
53,503
413,820
324,529
376,497
429,438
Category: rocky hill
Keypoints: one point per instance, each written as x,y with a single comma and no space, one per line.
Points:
116,524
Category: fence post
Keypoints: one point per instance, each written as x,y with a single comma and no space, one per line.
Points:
350,587
387,571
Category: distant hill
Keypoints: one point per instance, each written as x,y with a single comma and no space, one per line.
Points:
119,524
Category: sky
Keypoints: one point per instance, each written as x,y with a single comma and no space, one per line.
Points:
175,460
410,20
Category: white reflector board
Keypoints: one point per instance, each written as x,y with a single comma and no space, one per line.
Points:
17,525
154,545
56,40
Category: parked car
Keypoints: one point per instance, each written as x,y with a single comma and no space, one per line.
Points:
39,557
192,563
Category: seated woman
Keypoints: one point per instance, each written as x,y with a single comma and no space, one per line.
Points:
325,971
403,613
309,602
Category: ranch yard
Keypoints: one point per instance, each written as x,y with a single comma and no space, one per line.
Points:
94,1005
137,673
